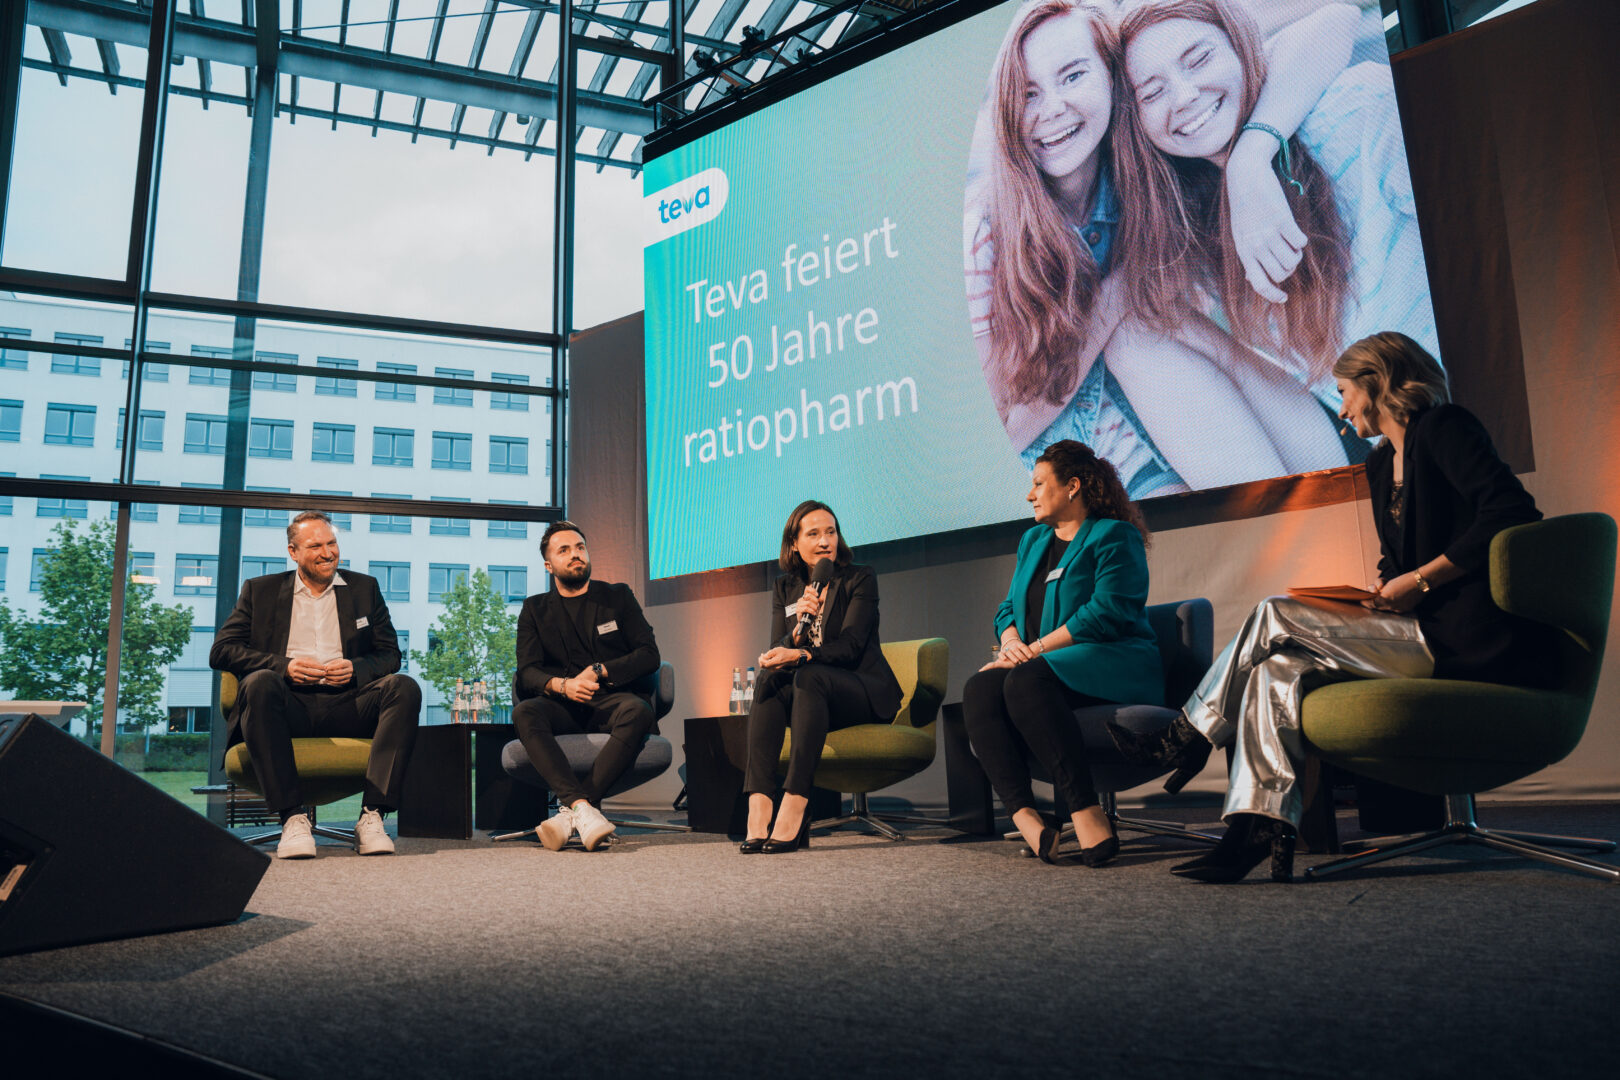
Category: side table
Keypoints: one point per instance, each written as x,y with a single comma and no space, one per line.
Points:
455,784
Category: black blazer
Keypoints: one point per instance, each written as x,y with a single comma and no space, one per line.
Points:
849,637
628,651
254,637
1458,496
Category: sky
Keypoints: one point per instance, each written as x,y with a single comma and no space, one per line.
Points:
353,222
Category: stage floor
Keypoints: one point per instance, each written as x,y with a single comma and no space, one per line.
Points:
671,955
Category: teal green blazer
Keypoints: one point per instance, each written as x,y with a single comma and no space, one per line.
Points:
1099,594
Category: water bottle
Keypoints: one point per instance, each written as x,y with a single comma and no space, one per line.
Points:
748,693
736,691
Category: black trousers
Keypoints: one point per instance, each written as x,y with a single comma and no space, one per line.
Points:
1018,712
812,700
273,712
625,717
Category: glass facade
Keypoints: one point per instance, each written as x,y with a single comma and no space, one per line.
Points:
413,275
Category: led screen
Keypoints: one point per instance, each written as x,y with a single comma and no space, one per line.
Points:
1151,228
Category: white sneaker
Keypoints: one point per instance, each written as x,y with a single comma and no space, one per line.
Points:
297,842
556,829
370,838
594,829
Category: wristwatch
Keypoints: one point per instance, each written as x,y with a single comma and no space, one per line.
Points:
601,673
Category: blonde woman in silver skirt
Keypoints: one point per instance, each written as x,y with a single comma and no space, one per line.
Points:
1439,494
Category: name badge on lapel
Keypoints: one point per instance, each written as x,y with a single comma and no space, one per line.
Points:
608,627
791,609
361,623
1055,574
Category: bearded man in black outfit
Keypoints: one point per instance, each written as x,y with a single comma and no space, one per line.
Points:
587,662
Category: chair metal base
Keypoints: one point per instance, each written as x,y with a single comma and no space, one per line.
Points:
628,823
1461,828
861,813
346,835
1108,801
633,823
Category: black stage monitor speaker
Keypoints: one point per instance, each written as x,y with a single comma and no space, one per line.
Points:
90,851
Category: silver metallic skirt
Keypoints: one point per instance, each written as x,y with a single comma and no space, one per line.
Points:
1251,697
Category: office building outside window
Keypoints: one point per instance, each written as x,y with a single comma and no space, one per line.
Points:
385,523
69,364
152,372
207,376
340,521
393,446
442,577
280,382
205,434
395,391
508,530
138,511
512,582
508,454
62,508
195,575
449,526
270,439
514,402
452,450
11,414
333,442
143,567
265,519
259,565
199,515
70,425
331,387
452,395
15,359
393,580
149,432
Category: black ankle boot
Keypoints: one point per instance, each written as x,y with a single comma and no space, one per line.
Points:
1181,747
1249,839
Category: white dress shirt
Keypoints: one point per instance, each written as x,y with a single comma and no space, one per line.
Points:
313,633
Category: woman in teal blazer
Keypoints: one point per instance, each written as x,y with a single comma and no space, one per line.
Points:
1073,633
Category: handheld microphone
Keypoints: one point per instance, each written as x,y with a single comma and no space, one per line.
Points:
820,574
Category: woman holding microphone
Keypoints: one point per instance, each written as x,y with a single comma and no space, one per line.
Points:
825,669
1073,633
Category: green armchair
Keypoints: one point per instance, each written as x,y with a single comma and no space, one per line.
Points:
861,759
329,769
1454,738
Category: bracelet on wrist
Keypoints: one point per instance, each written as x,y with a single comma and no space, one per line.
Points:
1421,583
1286,154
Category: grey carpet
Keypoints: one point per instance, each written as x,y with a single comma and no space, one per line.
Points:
673,955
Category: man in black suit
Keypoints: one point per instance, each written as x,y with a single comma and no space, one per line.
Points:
587,662
315,654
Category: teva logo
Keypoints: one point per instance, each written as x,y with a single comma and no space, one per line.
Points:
684,204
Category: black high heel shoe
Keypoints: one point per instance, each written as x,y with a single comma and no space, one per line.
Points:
1100,852
782,847
753,845
1046,847
1248,840
1180,746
